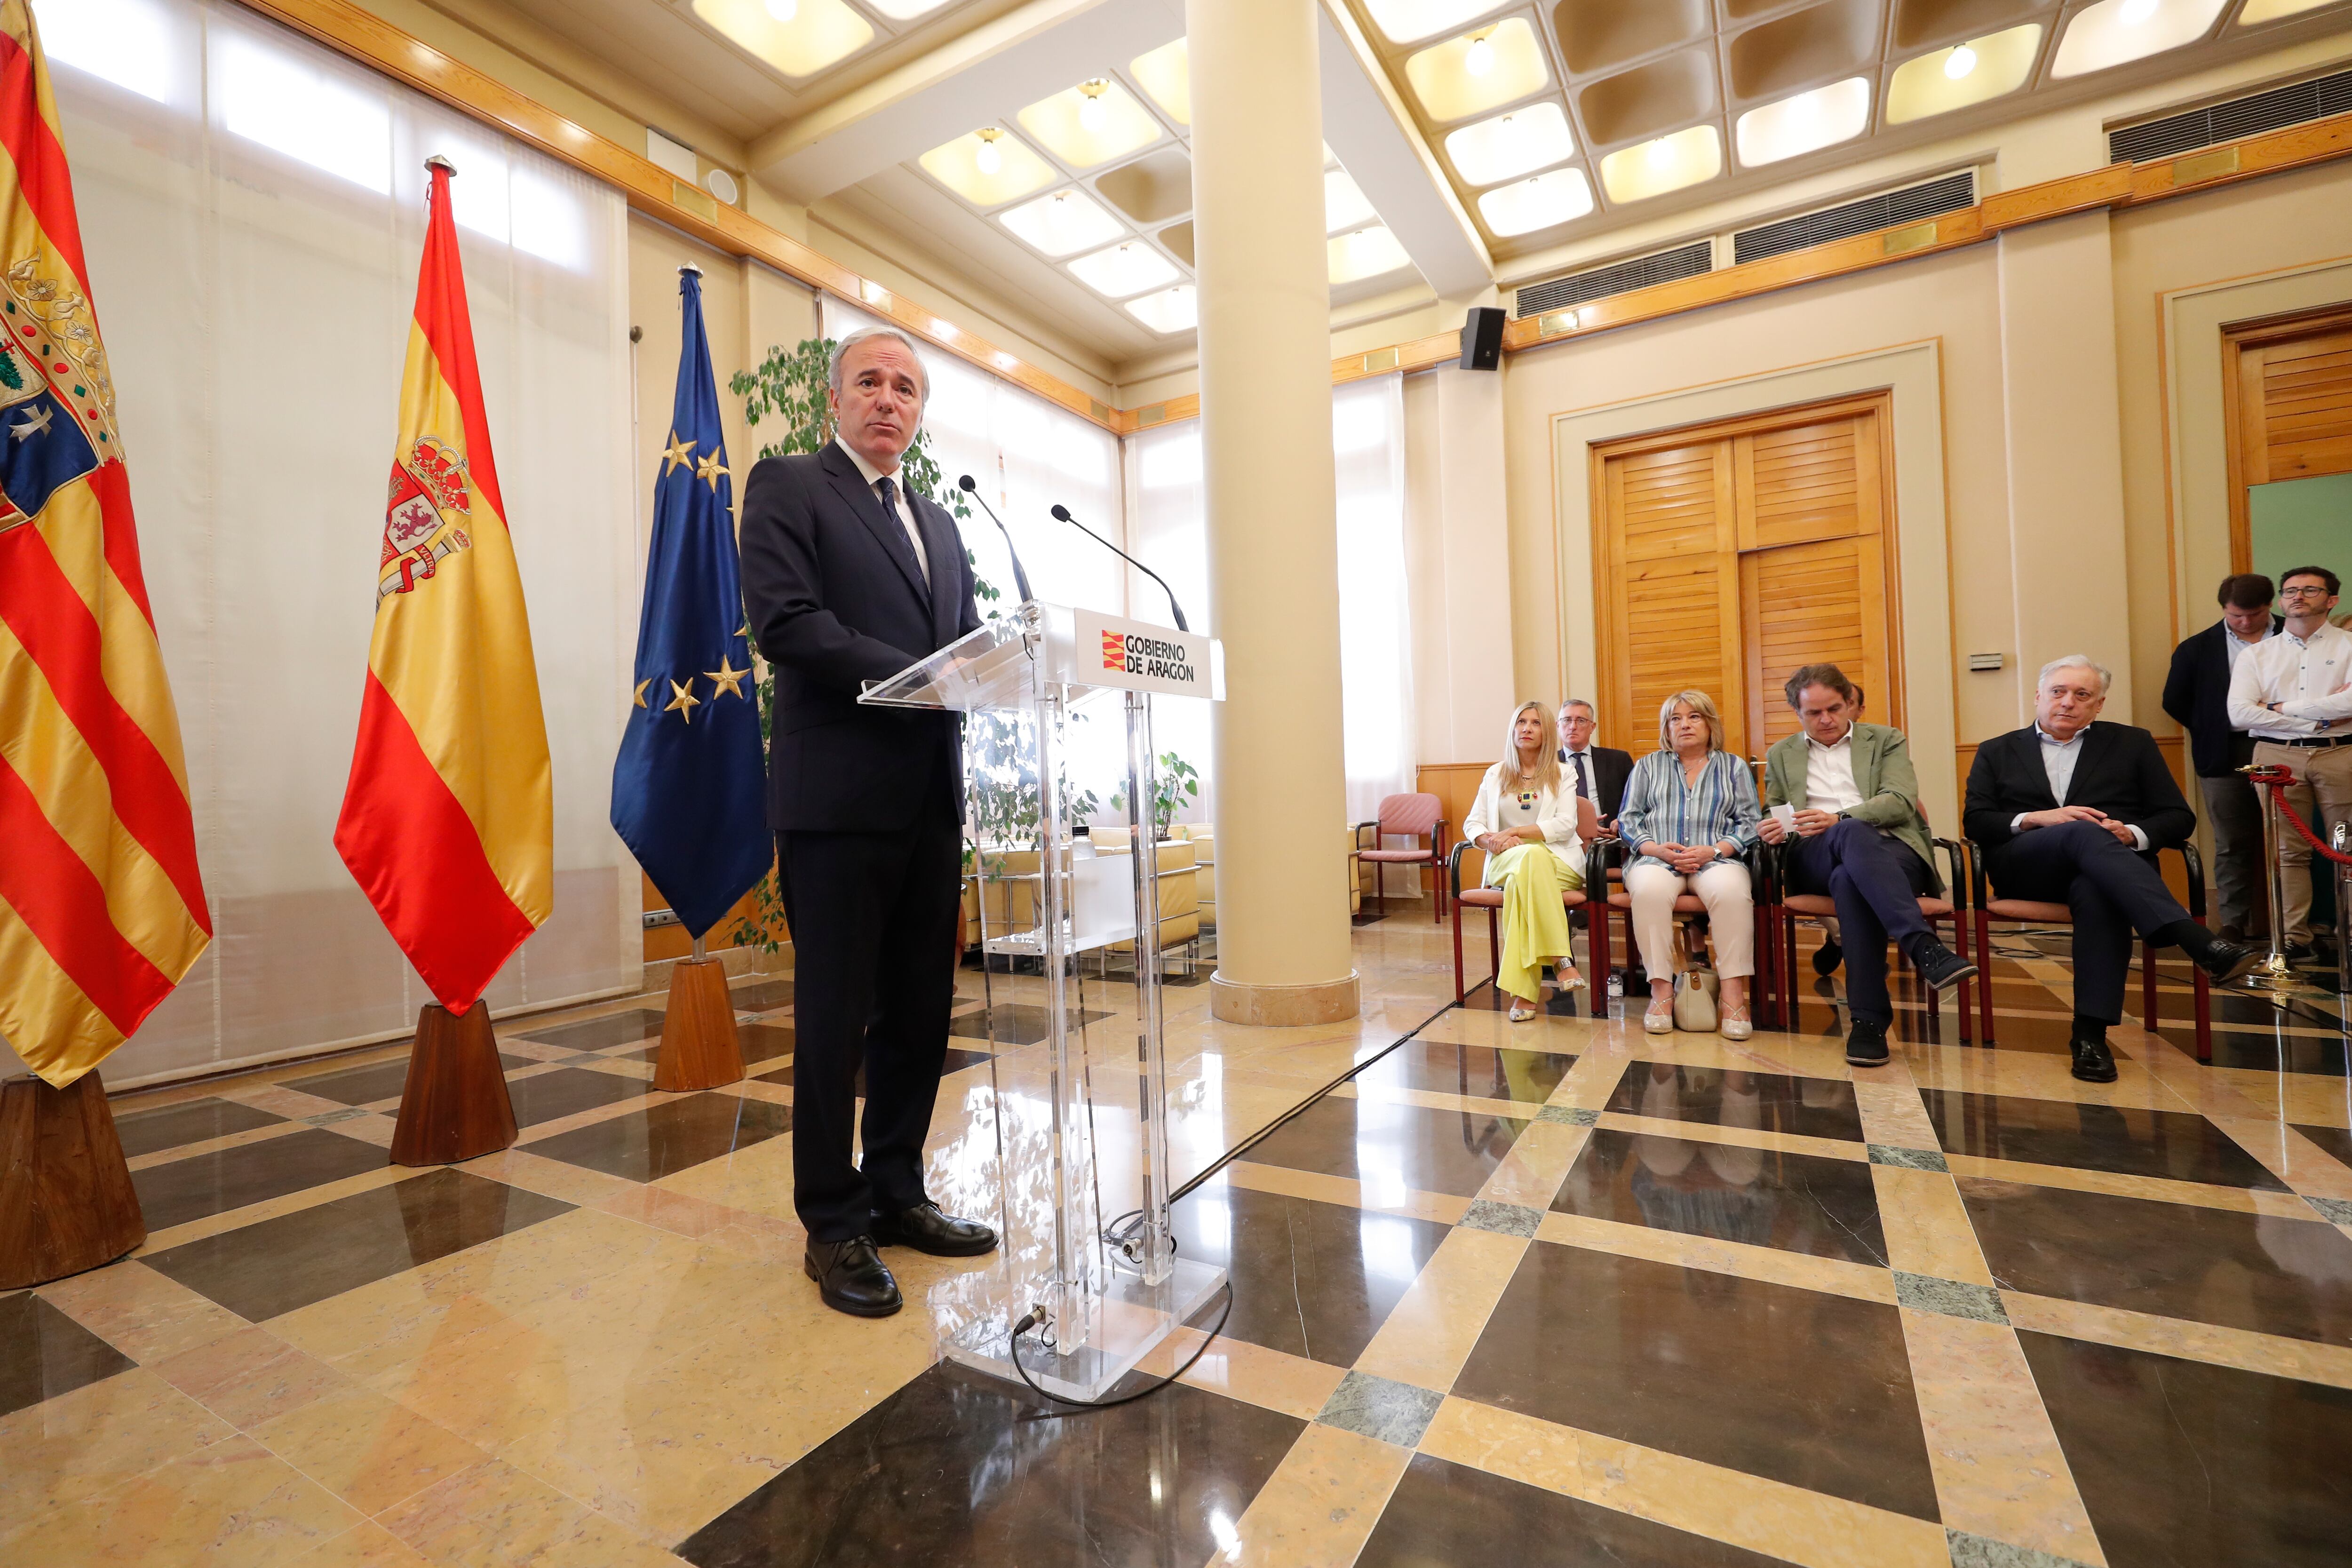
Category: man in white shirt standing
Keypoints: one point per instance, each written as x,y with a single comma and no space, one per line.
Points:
2294,693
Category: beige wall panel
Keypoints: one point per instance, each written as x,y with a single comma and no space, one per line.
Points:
2183,269
1930,330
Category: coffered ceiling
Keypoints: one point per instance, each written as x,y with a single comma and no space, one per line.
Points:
1041,148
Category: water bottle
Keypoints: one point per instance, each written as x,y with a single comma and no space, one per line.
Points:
1616,995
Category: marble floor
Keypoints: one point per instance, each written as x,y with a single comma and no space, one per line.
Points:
1549,1293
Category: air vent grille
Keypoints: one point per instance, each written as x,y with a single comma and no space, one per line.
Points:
2249,116
1909,205
1617,278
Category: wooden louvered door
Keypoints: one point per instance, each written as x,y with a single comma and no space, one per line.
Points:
2287,394
1730,555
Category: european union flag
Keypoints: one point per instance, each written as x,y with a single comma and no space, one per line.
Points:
686,787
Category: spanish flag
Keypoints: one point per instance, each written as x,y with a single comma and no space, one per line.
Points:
102,908
447,823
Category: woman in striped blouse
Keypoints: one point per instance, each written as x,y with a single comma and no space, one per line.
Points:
1690,810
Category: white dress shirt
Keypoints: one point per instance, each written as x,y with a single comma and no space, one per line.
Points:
874,477
2058,760
1589,778
2237,646
1829,775
2307,677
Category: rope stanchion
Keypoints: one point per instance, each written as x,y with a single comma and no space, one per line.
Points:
2273,779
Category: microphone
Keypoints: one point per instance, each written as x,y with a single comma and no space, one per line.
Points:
1020,578
1063,512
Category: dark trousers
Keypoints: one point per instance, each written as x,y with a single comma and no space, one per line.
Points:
2235,810
873,917
2112,890
1877,881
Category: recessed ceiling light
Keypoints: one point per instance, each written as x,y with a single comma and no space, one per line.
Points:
1805,123
1176,310
1533,136
1665,164
1959,62
816,34
2114,32
988,167
1344,204
1365,252
1090,123
2271,10
1063,224
1547,199
1447,80
906,10
1127,268
1409,21
783,10
1997,63
1166,73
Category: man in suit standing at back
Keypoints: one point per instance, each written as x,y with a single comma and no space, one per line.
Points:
2070,811
2197,696
848,578
1856,833
1596,773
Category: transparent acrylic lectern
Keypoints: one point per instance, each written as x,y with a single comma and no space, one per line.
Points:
1087,1244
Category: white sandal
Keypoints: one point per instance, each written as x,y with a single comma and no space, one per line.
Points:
1521,1011
1735,1029
1659,1023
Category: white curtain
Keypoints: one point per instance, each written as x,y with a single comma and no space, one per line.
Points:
252,206
1170,533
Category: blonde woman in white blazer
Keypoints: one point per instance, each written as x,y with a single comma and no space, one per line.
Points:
1526,820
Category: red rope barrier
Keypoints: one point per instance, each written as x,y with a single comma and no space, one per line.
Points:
2275,778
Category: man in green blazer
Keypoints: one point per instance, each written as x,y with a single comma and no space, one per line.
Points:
1854,830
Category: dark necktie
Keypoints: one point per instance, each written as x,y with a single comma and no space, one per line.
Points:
889,493
1583,784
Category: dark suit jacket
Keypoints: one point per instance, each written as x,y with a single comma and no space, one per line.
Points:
1610,769
2120,773
2197,696
836,598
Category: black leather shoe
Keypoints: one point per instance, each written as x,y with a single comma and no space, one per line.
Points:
1940,966
852,1278
1865,1044
2226,960
2231,933
925,1229
2093,1061
1826,958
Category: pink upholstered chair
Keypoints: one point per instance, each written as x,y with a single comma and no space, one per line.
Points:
1406,816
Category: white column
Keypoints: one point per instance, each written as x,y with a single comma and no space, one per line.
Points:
1283,955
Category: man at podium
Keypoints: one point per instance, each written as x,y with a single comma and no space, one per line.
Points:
848,578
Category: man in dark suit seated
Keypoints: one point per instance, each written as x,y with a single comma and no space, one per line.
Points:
2069,811
2197,696
1596,773
849,578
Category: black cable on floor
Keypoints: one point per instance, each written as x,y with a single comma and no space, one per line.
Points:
1262,1133
1030,1321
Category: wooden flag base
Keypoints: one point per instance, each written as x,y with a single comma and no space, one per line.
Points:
699,1046
66,1204
455,1106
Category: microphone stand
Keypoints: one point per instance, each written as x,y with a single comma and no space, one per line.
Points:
1020,578
1063,512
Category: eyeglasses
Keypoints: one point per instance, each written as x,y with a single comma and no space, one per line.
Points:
2303,593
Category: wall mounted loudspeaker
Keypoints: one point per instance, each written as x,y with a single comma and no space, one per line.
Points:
1482,339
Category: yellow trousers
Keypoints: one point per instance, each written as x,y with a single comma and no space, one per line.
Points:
1535,923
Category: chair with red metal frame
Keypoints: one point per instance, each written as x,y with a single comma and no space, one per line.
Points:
1406,816
1588,821
1610,855
1787,906
2032,912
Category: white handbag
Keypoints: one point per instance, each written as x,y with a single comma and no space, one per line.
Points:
1695,993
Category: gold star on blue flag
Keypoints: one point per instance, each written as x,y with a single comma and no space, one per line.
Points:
687,796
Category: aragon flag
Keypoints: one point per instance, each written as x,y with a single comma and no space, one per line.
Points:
102,910
686,786
447,822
